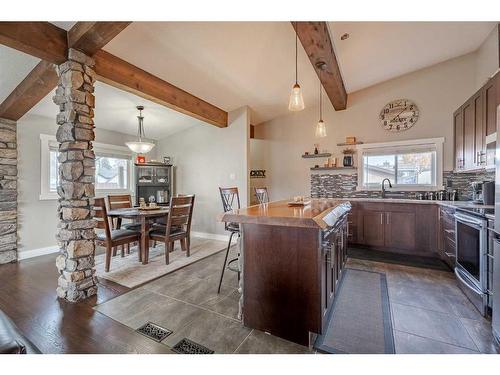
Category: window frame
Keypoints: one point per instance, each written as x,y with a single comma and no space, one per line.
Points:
435,143
49,141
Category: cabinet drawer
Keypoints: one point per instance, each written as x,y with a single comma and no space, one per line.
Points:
449,247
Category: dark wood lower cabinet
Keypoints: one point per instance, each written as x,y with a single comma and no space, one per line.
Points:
410,228
400,230
372,228
447,247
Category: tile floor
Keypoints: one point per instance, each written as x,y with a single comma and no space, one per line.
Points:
429,313
186,302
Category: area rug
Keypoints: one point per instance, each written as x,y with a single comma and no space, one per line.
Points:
129,272
360,320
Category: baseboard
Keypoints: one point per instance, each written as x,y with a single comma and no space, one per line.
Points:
21,255
213,236
54,249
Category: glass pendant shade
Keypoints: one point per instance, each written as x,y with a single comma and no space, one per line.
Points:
140,146
296,102
320,129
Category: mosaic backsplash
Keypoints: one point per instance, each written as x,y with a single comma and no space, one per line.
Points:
344,185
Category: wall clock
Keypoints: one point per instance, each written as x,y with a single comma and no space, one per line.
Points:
399,115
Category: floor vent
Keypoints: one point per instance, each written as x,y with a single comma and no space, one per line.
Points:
154,332
186,346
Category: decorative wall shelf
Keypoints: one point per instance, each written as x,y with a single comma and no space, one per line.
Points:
350,144
311,156
332,168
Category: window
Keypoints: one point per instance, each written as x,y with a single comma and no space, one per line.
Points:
409,165
112,172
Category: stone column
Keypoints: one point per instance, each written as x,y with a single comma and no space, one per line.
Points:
8,191
75,134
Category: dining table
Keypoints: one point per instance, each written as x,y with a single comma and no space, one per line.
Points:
144,217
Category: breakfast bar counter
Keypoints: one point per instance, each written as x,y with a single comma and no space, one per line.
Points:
291,258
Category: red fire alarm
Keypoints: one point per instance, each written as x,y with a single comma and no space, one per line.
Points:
141,159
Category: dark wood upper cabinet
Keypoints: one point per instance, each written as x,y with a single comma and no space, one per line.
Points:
489,95
469,133
472,123
480,130
458,124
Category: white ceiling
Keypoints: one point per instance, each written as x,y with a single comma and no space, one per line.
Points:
229,64
378,51
115,110
14,67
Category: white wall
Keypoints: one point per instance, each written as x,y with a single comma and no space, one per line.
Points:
487,58
437,91
38,218
206,158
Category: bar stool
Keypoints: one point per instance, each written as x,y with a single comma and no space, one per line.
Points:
262,195
230,200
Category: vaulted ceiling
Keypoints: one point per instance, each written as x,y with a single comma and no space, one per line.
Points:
231,64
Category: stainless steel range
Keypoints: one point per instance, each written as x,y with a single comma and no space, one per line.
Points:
471,270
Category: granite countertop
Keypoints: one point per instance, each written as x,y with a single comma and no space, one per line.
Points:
319,213
468,204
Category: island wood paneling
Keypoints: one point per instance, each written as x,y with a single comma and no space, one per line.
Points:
282,286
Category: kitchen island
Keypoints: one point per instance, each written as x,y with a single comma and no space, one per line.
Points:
291,258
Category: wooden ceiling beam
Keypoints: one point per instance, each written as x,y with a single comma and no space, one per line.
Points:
40,39
50,43
37,84
315,39
125,76
90,37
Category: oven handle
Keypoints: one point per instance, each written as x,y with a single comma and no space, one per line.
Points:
466,220
495,233
466,283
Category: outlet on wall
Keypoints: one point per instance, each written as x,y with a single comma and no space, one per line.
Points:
232,177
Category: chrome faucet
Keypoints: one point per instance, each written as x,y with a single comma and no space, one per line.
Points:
383,186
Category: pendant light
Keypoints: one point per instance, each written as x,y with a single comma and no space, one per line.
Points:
296,102
140,146
320,126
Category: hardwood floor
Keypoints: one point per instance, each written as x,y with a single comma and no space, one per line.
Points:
27,296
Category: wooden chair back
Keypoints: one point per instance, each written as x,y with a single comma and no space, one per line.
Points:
180,213
119,201
101,216
230,198
262,195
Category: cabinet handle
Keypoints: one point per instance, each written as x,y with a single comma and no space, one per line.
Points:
381,219
387,221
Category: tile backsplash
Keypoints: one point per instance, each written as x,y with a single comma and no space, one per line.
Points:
344,185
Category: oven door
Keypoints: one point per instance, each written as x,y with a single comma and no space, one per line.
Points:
471,242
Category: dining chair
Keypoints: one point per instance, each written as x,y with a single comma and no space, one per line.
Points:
109,237
230,201
262,195
122,201
178,226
